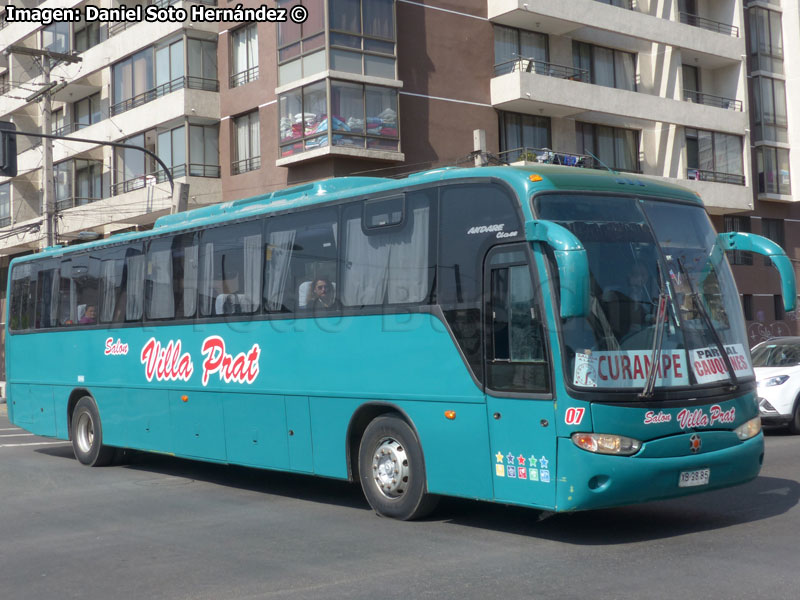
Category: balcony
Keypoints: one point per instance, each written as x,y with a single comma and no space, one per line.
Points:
193,83
715,177
708,24
160,176
244,77
74,201
532,65
601,24
564,94
712,100
547,156
247,164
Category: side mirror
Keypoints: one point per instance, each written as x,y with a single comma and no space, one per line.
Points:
750,242
573,265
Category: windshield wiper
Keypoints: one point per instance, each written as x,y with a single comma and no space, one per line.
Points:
655,354
701,308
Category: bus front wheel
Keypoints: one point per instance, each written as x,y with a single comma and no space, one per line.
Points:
87,435
392,470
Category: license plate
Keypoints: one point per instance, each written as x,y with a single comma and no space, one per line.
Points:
693,478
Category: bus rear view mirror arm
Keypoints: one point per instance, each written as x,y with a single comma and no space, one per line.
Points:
750,242
573,265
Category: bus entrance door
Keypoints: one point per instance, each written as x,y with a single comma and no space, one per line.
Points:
520,409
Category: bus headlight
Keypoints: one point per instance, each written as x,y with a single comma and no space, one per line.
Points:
606,443
750,429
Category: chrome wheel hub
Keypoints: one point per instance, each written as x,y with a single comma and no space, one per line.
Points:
84,432
390,468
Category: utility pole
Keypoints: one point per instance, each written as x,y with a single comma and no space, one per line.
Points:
48,185
48,89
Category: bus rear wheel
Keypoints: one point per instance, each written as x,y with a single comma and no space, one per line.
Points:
87,435
392,470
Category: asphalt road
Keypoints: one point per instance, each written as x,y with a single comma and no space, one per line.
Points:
159,527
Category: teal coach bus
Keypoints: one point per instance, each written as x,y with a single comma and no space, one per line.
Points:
553,337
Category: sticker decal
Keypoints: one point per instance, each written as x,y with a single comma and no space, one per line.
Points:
166,363
691,419
574,416
651,417
500,470
115,348
511,471
242,368
521,468
708,365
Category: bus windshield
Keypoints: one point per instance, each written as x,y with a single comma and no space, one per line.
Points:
639,249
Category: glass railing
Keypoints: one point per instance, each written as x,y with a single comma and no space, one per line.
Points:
540,67
712,100
73,201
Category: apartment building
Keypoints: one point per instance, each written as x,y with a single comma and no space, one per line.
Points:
682,90
148,84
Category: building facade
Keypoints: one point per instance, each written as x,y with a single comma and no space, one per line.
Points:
696,92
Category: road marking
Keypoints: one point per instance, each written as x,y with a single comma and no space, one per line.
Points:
10,429
32,444
5,435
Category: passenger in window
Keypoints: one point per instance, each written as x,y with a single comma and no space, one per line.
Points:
89,315
229,302
322,295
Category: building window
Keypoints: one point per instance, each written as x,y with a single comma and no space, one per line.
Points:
78,182
766,40
171,148
55,37
244,55
714,156
202,57
773,171
204,150
522,135
773,230
512,45
777,301
616,148
365,117
247,143
606,66
86,36
362,36
738,223
5,204
133,79
169,67
86,112
769,97
301,47
133,168
747,306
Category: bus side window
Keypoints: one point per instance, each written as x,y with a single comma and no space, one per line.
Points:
470,220
301,248
23,297
47,296
230,269
159,299
67,308
516,352
185,264
387,255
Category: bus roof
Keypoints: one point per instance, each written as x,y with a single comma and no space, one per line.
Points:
524,180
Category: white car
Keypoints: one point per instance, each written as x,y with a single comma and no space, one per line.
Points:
777,367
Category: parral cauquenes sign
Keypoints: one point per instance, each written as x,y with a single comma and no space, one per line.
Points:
155,14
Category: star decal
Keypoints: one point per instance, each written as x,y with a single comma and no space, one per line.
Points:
510,458
532,462
543,462
499,457
521,460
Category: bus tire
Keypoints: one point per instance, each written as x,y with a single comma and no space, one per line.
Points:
87,435
392,470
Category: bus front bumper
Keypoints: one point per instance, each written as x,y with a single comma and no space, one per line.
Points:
588,481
